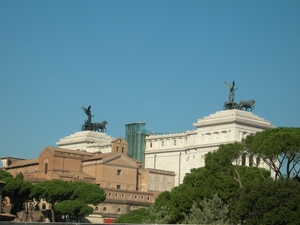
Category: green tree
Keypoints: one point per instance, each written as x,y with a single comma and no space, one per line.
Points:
58,191
160,215
18,192
70,208
219,176
267,202
88,193
279,148
4,174
134,216
52,191
208,211
223,157
20,176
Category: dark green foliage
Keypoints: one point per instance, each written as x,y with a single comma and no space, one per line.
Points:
59,192
75,208
135,216
20,176
279,147
4,174
88,193
52,191
223,157
219,176
267,202
18,191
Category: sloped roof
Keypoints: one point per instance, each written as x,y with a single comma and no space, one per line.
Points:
56,149
23,162
111,156
100,156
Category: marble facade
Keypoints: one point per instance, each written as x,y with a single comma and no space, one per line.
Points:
181,152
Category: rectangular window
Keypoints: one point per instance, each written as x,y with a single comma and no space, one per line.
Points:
119,172
151,177
118,186
46,168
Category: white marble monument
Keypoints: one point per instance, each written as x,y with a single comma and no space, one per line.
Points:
89,141
181,152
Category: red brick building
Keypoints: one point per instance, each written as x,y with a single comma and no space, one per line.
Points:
126,184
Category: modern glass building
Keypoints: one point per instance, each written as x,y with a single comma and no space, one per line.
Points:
135,137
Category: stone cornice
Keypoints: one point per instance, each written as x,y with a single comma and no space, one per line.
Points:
234,116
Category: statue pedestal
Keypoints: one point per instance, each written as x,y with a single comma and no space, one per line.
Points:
89,141
234,124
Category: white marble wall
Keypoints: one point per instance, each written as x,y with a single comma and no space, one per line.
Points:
180,152
89,141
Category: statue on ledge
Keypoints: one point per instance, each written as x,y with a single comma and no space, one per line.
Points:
243,105
88,125
231,91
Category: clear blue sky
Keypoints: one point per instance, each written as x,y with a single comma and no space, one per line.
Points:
159,62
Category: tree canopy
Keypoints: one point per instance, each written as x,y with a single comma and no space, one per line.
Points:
61,194
279,148
267,202
87,193
76,208
219,177
17,190
53,191
134,216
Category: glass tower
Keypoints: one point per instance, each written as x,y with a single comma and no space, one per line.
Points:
135,137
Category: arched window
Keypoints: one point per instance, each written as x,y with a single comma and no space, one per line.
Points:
96,209
46,168
119,210
43,206
104,209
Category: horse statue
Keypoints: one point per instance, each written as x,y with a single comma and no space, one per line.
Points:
100,126
247,105
230,105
